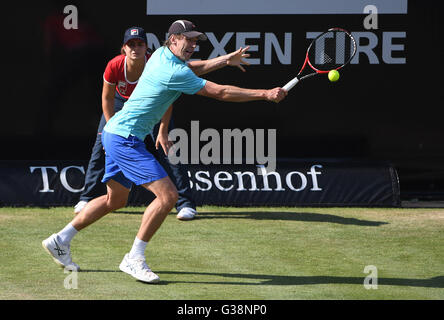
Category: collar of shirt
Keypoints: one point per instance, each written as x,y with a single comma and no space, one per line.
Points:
171,55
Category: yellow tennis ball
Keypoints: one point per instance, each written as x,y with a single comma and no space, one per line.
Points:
333,75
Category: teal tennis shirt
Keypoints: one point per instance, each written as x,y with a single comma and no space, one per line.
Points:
163,80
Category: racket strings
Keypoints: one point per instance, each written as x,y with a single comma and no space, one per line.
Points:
331,50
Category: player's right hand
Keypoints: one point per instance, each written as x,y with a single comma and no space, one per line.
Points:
162,141
276,95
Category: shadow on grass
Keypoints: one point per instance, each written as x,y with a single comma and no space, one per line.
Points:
271,280
290,216
436,282
277,215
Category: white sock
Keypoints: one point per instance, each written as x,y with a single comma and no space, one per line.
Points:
67,233
138,249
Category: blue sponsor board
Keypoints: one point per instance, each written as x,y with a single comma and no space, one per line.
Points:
292,183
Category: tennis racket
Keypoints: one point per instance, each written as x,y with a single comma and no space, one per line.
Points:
331,50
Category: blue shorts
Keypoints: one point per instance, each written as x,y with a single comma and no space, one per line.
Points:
127,161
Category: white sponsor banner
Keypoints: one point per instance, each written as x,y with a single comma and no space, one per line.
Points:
207,7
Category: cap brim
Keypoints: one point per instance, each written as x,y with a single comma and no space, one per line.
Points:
195,34
135,37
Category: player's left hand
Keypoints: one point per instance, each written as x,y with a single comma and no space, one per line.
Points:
162,140
236,58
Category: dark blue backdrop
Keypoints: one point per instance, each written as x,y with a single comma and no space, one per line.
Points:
387,111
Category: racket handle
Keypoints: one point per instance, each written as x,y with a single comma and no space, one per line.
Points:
291,84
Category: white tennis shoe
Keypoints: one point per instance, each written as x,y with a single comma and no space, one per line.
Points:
186,214
138,269
60,253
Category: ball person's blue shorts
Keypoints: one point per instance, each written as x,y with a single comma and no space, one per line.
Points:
127,161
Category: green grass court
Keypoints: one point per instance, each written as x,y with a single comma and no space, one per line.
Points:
233,254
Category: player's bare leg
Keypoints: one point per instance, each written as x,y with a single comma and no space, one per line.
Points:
134,262
154,215
58,244
116,198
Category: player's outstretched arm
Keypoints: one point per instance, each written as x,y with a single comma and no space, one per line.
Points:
236,94
234,59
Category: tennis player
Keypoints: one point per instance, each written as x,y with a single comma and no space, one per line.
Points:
119,80
166,76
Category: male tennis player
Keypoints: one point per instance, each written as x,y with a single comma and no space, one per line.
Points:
165,77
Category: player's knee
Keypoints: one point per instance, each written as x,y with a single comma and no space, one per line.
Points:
173,197
170,197
116,203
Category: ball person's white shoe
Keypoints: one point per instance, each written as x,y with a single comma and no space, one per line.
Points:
61,254
138,269
186,214
79,206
